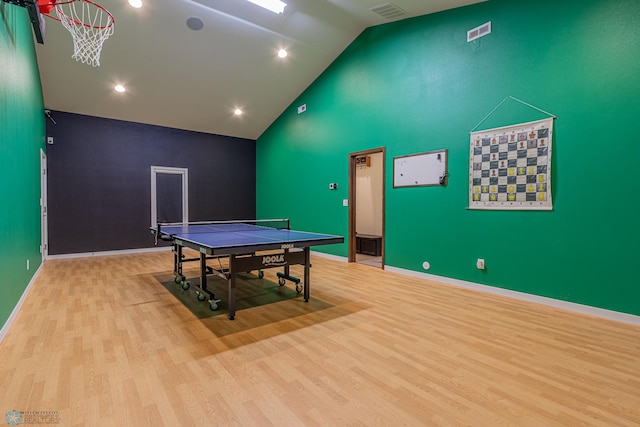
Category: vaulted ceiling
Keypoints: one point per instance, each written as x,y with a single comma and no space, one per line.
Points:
179,76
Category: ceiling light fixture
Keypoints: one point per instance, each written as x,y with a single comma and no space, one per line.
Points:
135,3
237,112
282,53
119,88
275,6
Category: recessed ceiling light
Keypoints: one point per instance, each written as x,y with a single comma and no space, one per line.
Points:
275,6
282,53
119,88
237,112
135,3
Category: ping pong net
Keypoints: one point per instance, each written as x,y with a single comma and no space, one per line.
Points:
165,231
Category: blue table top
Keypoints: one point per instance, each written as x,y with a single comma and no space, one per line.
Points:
240,237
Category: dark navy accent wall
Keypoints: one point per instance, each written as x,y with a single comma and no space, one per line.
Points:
99,183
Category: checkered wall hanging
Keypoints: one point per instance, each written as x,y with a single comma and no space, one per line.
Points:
510,167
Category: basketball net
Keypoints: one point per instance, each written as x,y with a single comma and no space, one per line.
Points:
89,24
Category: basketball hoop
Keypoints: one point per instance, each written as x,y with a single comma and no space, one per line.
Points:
89,24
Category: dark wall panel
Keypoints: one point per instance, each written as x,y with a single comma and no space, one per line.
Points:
99,183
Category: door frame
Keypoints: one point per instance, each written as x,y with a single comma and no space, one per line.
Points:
351,245
184,172
44,220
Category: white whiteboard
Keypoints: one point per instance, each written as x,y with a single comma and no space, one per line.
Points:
420,169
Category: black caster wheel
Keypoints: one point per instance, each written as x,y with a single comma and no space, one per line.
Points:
281,281
213,306
200,296
260,274
298,288
186,285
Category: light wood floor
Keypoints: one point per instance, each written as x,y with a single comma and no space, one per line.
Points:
109,341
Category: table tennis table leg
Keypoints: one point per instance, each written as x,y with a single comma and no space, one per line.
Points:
177,264
232,287
286,275
203,271
203,293
287,272
307,268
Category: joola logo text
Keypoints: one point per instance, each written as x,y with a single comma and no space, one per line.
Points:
273,260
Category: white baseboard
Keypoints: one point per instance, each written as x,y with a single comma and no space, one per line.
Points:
551,302
106,253
329,256
7,325
564,305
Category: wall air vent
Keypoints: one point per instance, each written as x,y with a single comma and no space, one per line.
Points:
389,11
478,32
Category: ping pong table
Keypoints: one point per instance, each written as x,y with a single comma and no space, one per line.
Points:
249,245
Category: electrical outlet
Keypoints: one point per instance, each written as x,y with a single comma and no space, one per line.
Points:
302,108
480,264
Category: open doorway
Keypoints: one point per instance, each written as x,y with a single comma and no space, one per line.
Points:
367,207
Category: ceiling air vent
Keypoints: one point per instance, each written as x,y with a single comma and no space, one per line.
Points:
478,32
389,11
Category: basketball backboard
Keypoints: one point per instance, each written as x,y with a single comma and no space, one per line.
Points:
37,20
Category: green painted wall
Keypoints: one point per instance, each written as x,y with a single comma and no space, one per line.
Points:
22,131
417,85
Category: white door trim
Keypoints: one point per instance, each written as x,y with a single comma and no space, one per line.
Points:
184,172
44,222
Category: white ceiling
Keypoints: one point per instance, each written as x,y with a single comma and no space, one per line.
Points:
187,79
